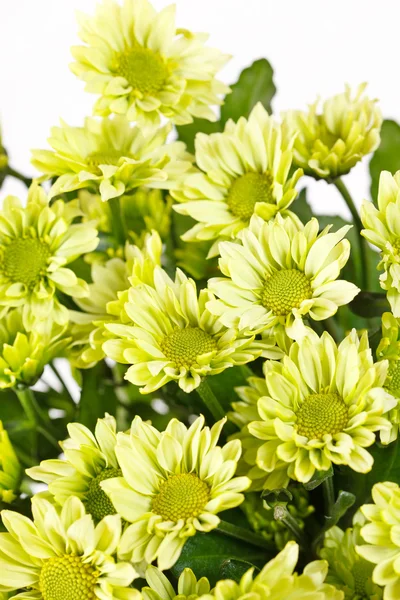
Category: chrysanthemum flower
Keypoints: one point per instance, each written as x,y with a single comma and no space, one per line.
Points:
347,570
89,460
172,336
105,294
173,484
36,243
324,405
244,170
381,536
111,156
279,273
329,144
389,349
10,468
63,555
382,229
160,587
142,66
23,355
278,581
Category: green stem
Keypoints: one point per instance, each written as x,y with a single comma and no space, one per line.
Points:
282,514
117,221
13,173
210,400
60,378
31,409
244,535
331,327
329,495
341,187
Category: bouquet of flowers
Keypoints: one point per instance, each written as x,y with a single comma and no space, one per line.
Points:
200,380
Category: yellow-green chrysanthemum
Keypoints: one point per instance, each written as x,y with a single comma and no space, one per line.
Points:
328,145
62,555
279,273
278,581
160,587
107,296
141,65
382,229
145,211
389,349
382,538
324,405
23,355
36,244
89,460
111,156
10,469
173,485
245,170
347,570
172,336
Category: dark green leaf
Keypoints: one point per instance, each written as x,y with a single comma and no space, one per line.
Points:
319,477
206,554
387,156
255,84
223,385
301,208
235,569
370,304
187,133
97,398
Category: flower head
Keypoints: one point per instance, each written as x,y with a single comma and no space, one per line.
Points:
382,546
329,144
244,170
173,484
89,460
382,229
172,336
36,244
106,298
145,68
389,349
347,570
279,273
324,405
24,354
62,554
278,581
10,468
111,156
160,587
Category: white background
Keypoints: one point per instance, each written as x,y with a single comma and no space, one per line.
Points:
315,47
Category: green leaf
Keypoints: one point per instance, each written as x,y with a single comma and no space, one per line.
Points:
223,385
319,477
97,397
387,156
370,304
255,84
235,569
207,555
301,208
187,133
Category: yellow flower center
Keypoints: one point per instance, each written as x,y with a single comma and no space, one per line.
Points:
320,414
107,157
97,503
144,69
183,346
284,291
25,260
68,578
246,191
181,497
393,381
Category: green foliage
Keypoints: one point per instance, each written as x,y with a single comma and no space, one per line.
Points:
387,156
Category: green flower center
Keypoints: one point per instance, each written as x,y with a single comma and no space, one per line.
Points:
68,578
144,69
393,381
246,191
97,503
284,291
181,497
108,157
25,260
321,414
183,346
362,571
